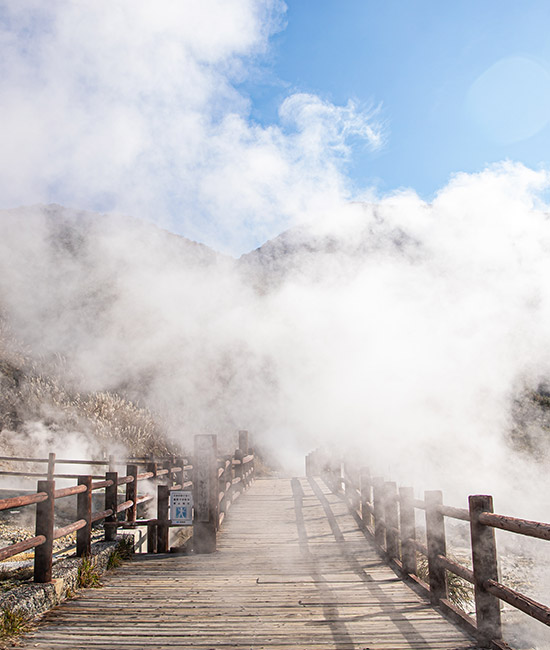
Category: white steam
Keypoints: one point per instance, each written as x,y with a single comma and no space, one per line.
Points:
135,106
403,330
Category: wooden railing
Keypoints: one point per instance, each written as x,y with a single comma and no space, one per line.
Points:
215,482
388,515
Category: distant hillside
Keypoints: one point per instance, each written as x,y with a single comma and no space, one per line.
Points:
108,319
313,253
39,413
104,305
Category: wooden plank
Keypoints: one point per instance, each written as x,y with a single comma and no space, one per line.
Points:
289,573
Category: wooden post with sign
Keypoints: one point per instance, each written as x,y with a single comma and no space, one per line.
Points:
205,483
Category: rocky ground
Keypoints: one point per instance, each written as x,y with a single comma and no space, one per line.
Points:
18,569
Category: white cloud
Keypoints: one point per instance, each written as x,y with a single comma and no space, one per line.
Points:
133,106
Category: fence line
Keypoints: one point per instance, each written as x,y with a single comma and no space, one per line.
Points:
388,515
226,479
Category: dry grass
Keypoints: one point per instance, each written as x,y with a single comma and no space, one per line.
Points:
34,393
12,623
88,576
460,592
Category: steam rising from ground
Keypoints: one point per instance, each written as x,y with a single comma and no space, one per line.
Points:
402,330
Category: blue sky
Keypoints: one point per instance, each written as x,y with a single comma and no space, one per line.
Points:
229,121
418,60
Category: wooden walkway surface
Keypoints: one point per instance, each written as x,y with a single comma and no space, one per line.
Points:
292,572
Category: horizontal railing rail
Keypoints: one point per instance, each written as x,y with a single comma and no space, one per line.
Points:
160,477
388,515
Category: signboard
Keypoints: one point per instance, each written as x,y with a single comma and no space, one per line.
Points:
181,507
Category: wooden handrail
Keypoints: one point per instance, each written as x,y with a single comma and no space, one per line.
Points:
374,510
171,474
70,528
519,601
19,502
69,491
21,547
526,527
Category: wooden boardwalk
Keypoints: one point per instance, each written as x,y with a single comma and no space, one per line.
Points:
292,571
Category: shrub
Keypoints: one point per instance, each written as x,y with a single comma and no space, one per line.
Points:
88,575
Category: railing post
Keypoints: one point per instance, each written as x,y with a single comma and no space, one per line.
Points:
378,507
252,465
51,466
243,442
84,511
44,526
435,537
392,520
152,537
131,493
408,529
484,560
205,482
168,478
239,469
111,503
151,466
366,496
179,478
163,495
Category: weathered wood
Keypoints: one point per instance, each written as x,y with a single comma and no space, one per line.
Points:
131,493
484,560
408,529
366,496
69,491
44,528
243,441
391,516
51,466
20,547
455,513
290,573
69,528
84,511
521,602
205,483
26,500
456,568
163,495
435,537
378,505
111,503
152,537
526,527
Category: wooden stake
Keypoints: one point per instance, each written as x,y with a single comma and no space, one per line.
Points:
205,482
435,536
408,529
484,560
84,511
44,526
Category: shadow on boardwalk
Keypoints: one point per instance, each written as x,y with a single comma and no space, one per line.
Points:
292,571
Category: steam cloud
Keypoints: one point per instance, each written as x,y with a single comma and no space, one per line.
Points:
135,107
399,328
